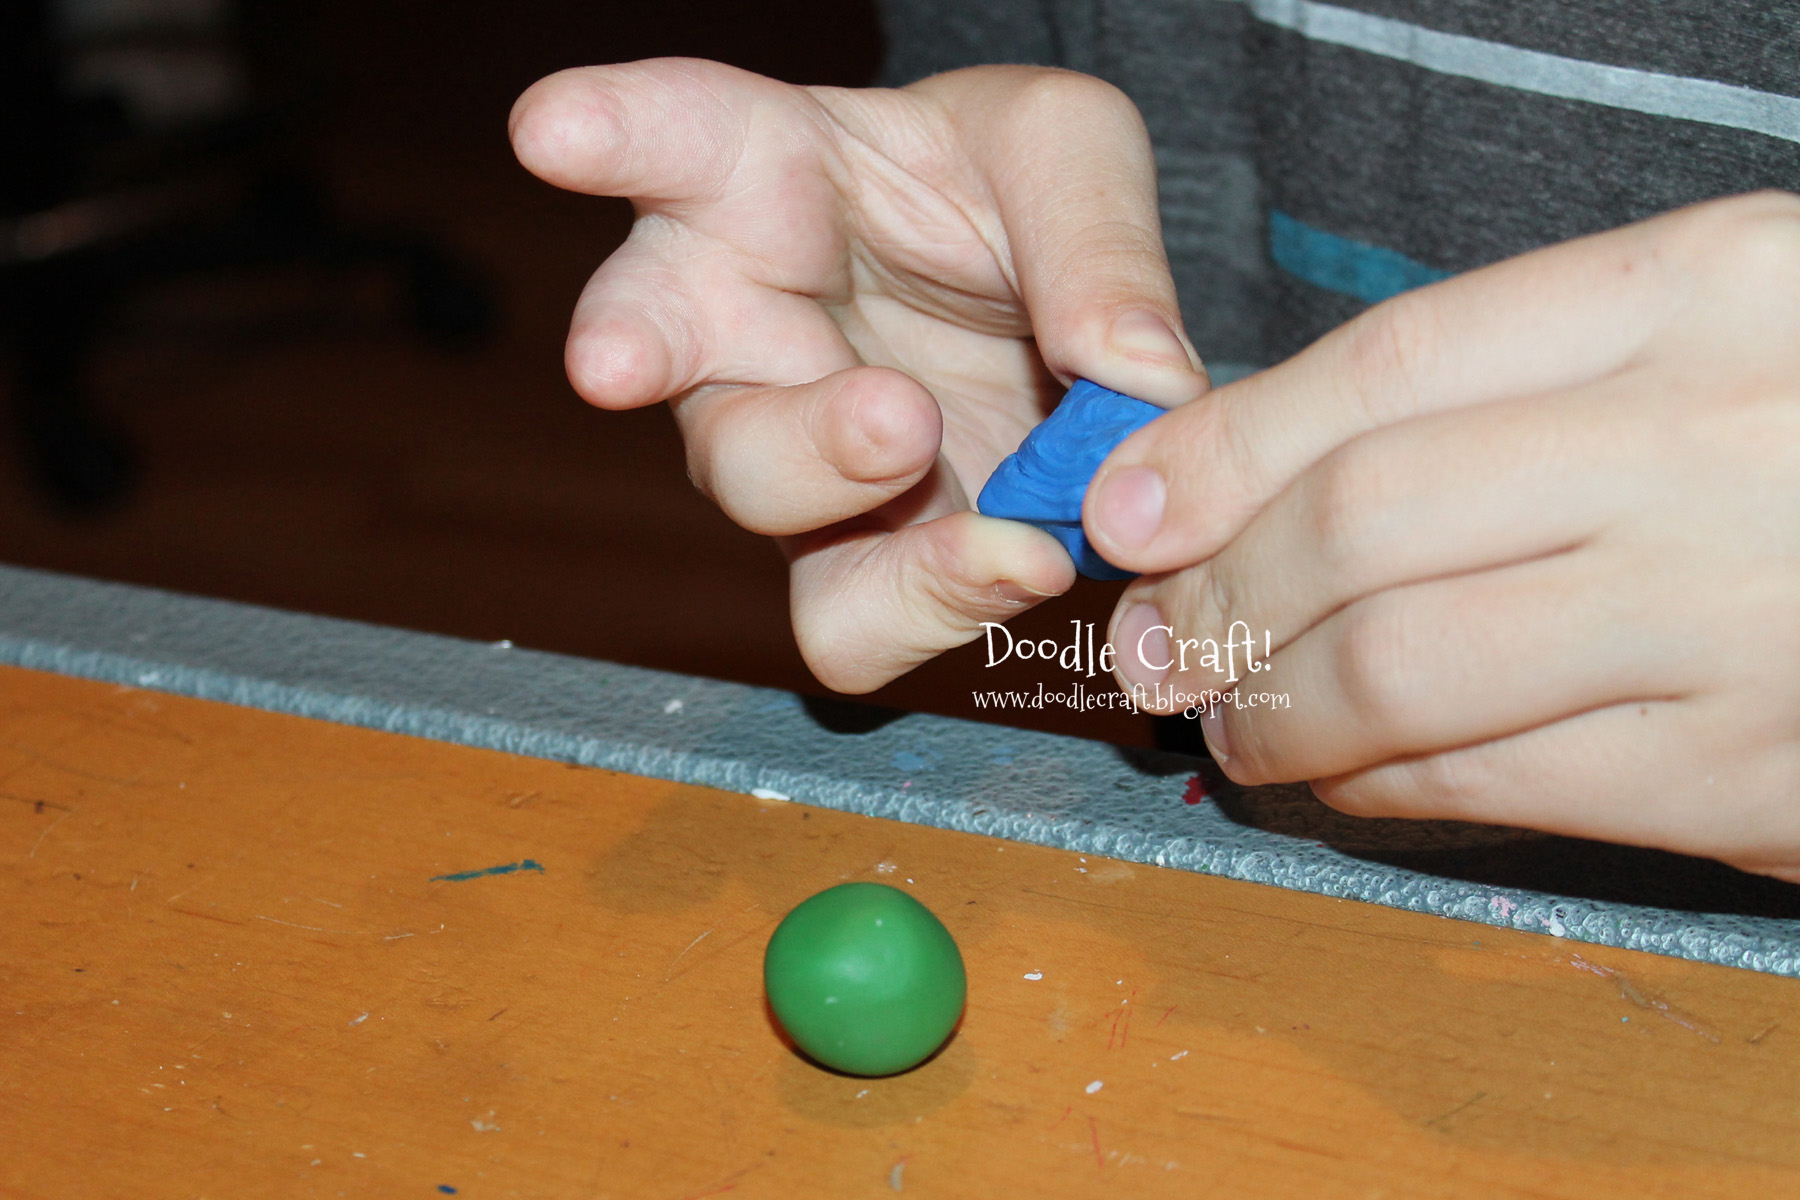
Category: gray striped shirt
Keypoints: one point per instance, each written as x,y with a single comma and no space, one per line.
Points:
1315,158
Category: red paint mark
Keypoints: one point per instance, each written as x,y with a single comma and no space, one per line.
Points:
1094,1134
1165,1016
731,1182
1113,1036
1196,791
1125,1030
1064,1117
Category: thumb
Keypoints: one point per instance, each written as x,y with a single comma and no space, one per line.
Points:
1073,179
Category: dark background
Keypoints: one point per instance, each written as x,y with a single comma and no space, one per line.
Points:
300,444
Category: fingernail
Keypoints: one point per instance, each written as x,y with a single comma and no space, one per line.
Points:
1141,646
1017,593
1141,334
1212,728
1128,509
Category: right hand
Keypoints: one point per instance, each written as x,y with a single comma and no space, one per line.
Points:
857,303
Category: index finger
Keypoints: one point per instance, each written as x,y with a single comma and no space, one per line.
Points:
1178,490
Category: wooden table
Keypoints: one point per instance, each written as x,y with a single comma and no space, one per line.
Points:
249,954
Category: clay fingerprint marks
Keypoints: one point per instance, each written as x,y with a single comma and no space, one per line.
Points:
1043,482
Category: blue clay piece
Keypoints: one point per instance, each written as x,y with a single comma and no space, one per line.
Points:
1042,482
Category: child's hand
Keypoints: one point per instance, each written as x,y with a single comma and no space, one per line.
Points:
840,290
1527,543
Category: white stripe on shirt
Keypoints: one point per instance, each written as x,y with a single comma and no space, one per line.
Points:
1689,99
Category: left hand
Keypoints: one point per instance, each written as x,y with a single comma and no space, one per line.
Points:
1526,543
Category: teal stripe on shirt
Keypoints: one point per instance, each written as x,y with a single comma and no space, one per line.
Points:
1338,264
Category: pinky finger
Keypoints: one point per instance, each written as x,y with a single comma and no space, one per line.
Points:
1679,775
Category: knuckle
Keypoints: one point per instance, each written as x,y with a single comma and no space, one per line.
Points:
934,583
1197,602
1449,785
1218,598
1053,96
1225,444
840,655
1374,657
1356,796
700,475
1444,786
1254,754
837,664
1114,264
1753,237
1345,492
1387,347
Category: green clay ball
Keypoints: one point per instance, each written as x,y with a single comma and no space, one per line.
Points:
865,979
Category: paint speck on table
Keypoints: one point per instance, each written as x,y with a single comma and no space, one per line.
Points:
528,864
769,794
1034,976
1094,1086
446,1189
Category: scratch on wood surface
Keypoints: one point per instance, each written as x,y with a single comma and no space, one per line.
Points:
48,830
1094,1136
725,948
1655,1004
1445,1116
188,912
1200,1114
683,953
37,805
308,928
132,722
1756,1039
192,887
44,760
